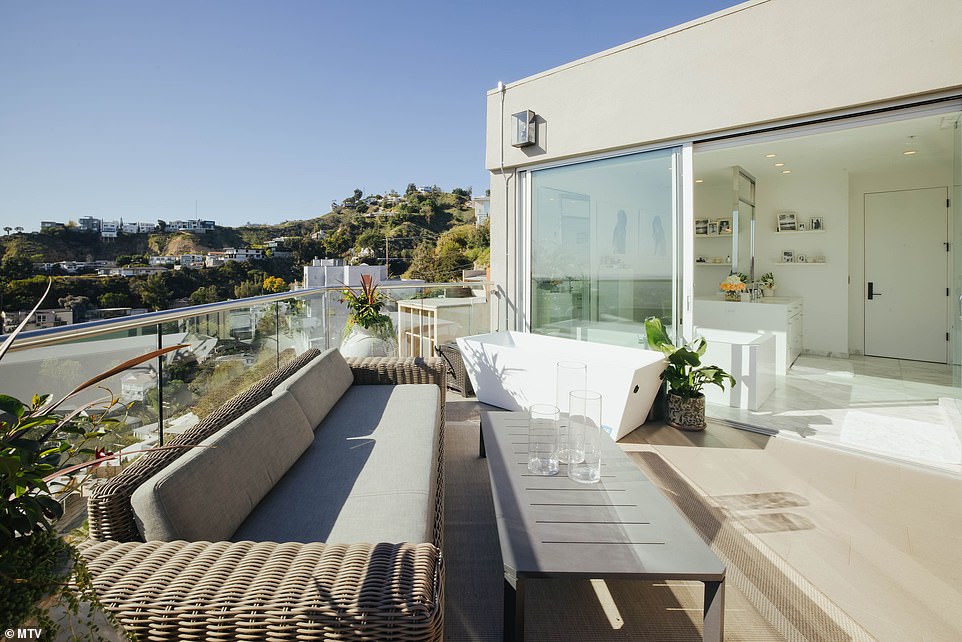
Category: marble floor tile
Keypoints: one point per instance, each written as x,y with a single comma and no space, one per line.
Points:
906,410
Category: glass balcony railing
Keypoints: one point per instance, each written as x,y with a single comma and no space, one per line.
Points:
228,346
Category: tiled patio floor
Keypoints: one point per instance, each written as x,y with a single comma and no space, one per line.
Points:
904,410
821,544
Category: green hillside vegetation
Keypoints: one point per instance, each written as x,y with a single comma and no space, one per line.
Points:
428,235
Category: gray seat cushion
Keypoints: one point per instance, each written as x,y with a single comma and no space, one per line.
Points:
319,384
368,476
209,491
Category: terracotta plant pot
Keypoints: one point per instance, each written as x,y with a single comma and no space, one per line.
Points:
686,413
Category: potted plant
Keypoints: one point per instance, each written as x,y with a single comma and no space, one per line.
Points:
685,377
767,281
368,332
733,286
43,580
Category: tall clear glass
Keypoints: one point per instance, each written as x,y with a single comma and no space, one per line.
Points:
569,376
543,439
585,436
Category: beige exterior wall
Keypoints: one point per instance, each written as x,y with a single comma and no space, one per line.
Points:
761,62
758,62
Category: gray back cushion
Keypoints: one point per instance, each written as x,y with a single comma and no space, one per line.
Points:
319,384
207,493
369,475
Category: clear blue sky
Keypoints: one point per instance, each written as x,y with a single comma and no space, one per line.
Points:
266,111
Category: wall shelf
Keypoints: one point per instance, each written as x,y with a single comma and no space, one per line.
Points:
802,263
713,264
779,233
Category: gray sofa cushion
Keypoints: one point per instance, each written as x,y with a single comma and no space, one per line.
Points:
208,492
319,384
368,476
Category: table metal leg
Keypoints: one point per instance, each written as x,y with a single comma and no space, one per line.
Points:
514,611
714,623
482,453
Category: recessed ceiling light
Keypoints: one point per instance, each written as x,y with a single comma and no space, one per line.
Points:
769,155
699,180
909,152
779,164
786,171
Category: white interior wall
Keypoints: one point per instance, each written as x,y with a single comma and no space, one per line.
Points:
713,200
823,287
861,184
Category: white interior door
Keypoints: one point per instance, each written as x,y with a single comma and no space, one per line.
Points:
906,274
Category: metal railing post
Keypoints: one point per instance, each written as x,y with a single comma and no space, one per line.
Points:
160,386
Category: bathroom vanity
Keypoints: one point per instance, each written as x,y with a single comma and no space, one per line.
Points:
781,316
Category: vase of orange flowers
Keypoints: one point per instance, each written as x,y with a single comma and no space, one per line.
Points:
733,287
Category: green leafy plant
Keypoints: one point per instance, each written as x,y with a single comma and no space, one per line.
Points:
684,373
365,309
767,281
42,451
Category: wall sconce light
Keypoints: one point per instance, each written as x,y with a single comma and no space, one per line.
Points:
524,129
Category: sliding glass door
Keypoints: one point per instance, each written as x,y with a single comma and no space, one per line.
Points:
603,243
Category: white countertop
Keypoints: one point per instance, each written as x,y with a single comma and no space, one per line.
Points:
783,300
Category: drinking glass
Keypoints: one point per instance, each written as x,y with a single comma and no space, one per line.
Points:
569,376
543,439
586,436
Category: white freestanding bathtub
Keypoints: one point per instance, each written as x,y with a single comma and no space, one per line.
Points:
513,370
747,356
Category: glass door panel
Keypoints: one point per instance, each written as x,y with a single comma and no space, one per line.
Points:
603,247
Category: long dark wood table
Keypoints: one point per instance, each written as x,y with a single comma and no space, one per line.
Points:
620,528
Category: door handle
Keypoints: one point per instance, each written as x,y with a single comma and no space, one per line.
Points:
871,291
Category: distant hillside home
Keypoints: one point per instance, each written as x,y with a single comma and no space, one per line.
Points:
241,255
162,260
50,225
134,387
51,318
108,229
279,247
113,313
132,270
193,225
334,273
214,259
192,260
89,223
482,209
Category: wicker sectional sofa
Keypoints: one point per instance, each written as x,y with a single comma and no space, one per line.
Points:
308,507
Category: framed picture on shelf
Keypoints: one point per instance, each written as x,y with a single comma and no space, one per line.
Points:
701,227
787,222
712,228
816,223
801,227
724,226
788,256
801,259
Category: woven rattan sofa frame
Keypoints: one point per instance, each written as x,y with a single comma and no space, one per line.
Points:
265,590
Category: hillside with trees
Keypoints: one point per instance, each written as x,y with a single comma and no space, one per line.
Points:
424,233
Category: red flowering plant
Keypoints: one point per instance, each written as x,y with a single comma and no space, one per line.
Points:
365,309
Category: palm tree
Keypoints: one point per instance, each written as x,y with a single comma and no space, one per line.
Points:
19,229
7,229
